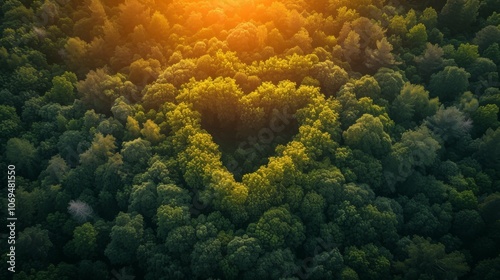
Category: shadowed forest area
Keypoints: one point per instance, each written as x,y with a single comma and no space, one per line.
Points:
252,139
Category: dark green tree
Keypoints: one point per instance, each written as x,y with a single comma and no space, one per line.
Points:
22,154
369,261
278,228
457,14
34,243
10,123
430,260
84,242
449,84
125,236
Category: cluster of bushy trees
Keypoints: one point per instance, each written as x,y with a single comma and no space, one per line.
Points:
252,139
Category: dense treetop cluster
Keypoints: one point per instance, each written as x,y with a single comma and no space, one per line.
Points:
252,139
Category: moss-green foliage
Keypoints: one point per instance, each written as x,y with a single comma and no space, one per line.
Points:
195,139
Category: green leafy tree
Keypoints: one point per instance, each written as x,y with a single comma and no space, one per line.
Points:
312,208
488,149
243,37
34,243
369,261
95,270
417,35
487,37
273,265
390,83
485,117
205,258
136,154
468,224
101,149
430,61
487,269
412,105
277,228
52,272
261,196
482,68
466,54
242,255
351,46
366,86
349,274
493,52
157,94
425,219
449,124
10,122
125,236
143,199
22,154
489,207
217,100
381,56
158,265
398,25
27,77
55,172
330,76
151,131
457,14
143,71
169,194
429,18
435,190
84,242
327,264
416,149
100,89
368,135
171,217
449,83
122,109
179,73
180,241
428,259
62,90
382,222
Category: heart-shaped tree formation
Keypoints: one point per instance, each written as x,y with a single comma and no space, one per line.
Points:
224,104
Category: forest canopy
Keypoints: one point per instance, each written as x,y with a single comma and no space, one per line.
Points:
251,139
